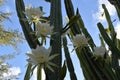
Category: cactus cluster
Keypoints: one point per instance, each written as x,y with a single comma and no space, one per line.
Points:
96,62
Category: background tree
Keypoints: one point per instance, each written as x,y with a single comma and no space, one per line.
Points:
8,37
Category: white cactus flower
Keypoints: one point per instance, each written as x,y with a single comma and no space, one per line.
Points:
80,41
33,14
99,51
44,29
41,55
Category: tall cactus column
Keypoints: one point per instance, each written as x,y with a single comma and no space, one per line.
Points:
56,21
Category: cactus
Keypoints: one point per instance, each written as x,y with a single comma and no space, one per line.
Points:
105,67
56,21
69,61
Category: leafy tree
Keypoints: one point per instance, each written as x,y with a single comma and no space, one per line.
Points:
8,37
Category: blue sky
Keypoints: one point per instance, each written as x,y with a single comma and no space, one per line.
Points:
90,11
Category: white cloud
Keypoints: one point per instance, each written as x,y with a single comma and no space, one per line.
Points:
35,74
15,70
12,73
111,10
118,30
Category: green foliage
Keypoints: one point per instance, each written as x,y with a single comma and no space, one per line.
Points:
8,37
2,2
5,68
4,16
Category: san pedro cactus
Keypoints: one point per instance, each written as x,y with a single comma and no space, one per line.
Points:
95,61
